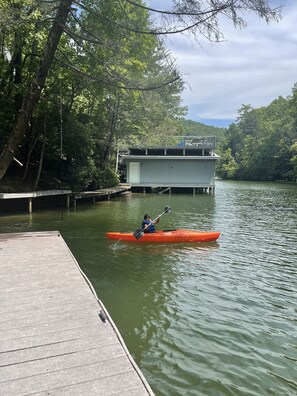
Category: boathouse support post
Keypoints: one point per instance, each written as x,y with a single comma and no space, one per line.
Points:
67,200
30,205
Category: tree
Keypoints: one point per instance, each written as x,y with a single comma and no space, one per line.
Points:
293,150
34,91
263,142
293,113
123,19
227,166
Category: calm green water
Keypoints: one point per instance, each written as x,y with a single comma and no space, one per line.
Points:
202,319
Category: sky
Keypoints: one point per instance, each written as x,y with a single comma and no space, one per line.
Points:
254,66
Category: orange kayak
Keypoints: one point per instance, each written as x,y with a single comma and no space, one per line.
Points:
170,236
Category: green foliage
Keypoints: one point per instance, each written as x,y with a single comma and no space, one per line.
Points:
83,111
261,142
293,159
227,166
106,85
106,178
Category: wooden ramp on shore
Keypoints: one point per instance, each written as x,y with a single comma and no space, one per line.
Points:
56,337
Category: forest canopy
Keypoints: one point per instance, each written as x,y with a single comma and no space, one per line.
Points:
77,77
262,143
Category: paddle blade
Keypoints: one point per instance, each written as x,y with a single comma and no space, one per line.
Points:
138,234
167,209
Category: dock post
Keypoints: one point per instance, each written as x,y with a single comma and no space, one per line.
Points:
30,205
67,200
74,202
94,200
194,191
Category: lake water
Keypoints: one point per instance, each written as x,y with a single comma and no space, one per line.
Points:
199,319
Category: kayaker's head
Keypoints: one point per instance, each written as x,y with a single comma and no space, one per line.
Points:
146,217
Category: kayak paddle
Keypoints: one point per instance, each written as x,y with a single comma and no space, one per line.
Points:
140,232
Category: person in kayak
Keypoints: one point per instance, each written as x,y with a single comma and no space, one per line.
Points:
148,225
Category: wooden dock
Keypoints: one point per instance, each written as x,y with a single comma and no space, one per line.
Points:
36,194
56,337
103,192
71,197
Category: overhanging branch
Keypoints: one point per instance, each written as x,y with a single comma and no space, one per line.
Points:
116,85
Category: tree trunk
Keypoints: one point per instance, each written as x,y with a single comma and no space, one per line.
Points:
29,156
33,94
113,117
40,165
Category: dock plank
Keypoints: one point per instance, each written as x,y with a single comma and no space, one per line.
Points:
67,377
52,340
13,344
56,363
57,348
127,381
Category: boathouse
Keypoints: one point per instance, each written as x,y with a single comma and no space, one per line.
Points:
190,165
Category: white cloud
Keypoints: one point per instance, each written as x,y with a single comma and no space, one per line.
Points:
255,66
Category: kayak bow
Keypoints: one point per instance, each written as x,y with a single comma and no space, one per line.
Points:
170,236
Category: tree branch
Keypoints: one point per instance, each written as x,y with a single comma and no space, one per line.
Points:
113,84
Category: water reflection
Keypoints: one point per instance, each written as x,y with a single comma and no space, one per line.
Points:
159,248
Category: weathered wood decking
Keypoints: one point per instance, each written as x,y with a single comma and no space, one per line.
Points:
52,340
36,194
106,193
103,193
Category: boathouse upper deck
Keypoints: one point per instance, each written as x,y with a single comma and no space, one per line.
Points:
188,146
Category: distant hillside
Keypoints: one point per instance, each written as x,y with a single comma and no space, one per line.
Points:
193,128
